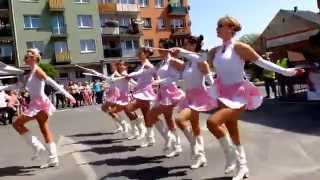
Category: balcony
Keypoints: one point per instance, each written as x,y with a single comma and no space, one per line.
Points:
5,31
129,52
130,31
59,32
112,52
113,8
62,57
180,31
56,5
111,31
107,8
177,10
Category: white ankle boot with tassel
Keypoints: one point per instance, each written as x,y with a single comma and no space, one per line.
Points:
37,147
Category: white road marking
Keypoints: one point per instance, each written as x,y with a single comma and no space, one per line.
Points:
70,147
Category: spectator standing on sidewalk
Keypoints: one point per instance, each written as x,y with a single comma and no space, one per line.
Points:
60,98
98,91
12,105
269,79
285,88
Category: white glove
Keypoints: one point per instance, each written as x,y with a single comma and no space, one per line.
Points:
276,68
60,88
209,78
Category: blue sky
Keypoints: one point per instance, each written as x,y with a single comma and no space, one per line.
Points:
254,15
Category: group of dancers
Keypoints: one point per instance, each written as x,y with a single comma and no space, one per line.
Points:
228,92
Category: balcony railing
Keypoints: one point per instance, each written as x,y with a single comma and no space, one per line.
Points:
5,31
130,31
129,52
180,31
7,59
56,5
110,30
112,52
117,7
62,57
59,32
177,10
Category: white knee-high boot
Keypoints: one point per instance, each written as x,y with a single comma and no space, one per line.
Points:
177,148
134,132
189,135
200,156
229,153
53,160
166,135
141,127
243,170
149,138
34,143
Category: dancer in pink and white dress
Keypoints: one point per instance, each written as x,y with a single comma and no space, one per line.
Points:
143,92
121,97
40,108
168,96
233,93
111,95
197,99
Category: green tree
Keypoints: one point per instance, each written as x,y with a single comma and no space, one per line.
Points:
49,69
249,39
254,71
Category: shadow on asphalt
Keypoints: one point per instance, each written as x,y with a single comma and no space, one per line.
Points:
296,117
17,171
156,172
90,134
99,142
130,161
111,149
219,178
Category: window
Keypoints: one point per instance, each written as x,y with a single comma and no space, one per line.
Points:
32,22
36,44
144,3
161,23
148,43
85,21
60,47
126,1
64,75
6,50
159,3
124,22
79,74
81,1
57,25
177,23
176,3
147,23
87,46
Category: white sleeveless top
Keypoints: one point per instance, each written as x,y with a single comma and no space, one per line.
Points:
166,71
193,77
228,65
35,86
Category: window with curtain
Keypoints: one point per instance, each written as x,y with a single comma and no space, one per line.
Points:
32,22
85,21
87,46
144,3
159,3
147,23
81,1
161,23
36,44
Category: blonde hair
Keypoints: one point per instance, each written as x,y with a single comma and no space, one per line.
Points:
35,52
231,22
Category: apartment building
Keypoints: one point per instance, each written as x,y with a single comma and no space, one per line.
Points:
66,32
130,24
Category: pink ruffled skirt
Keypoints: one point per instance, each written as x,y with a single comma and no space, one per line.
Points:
237,95
146,93
169,95
38,104
112,95
198,99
